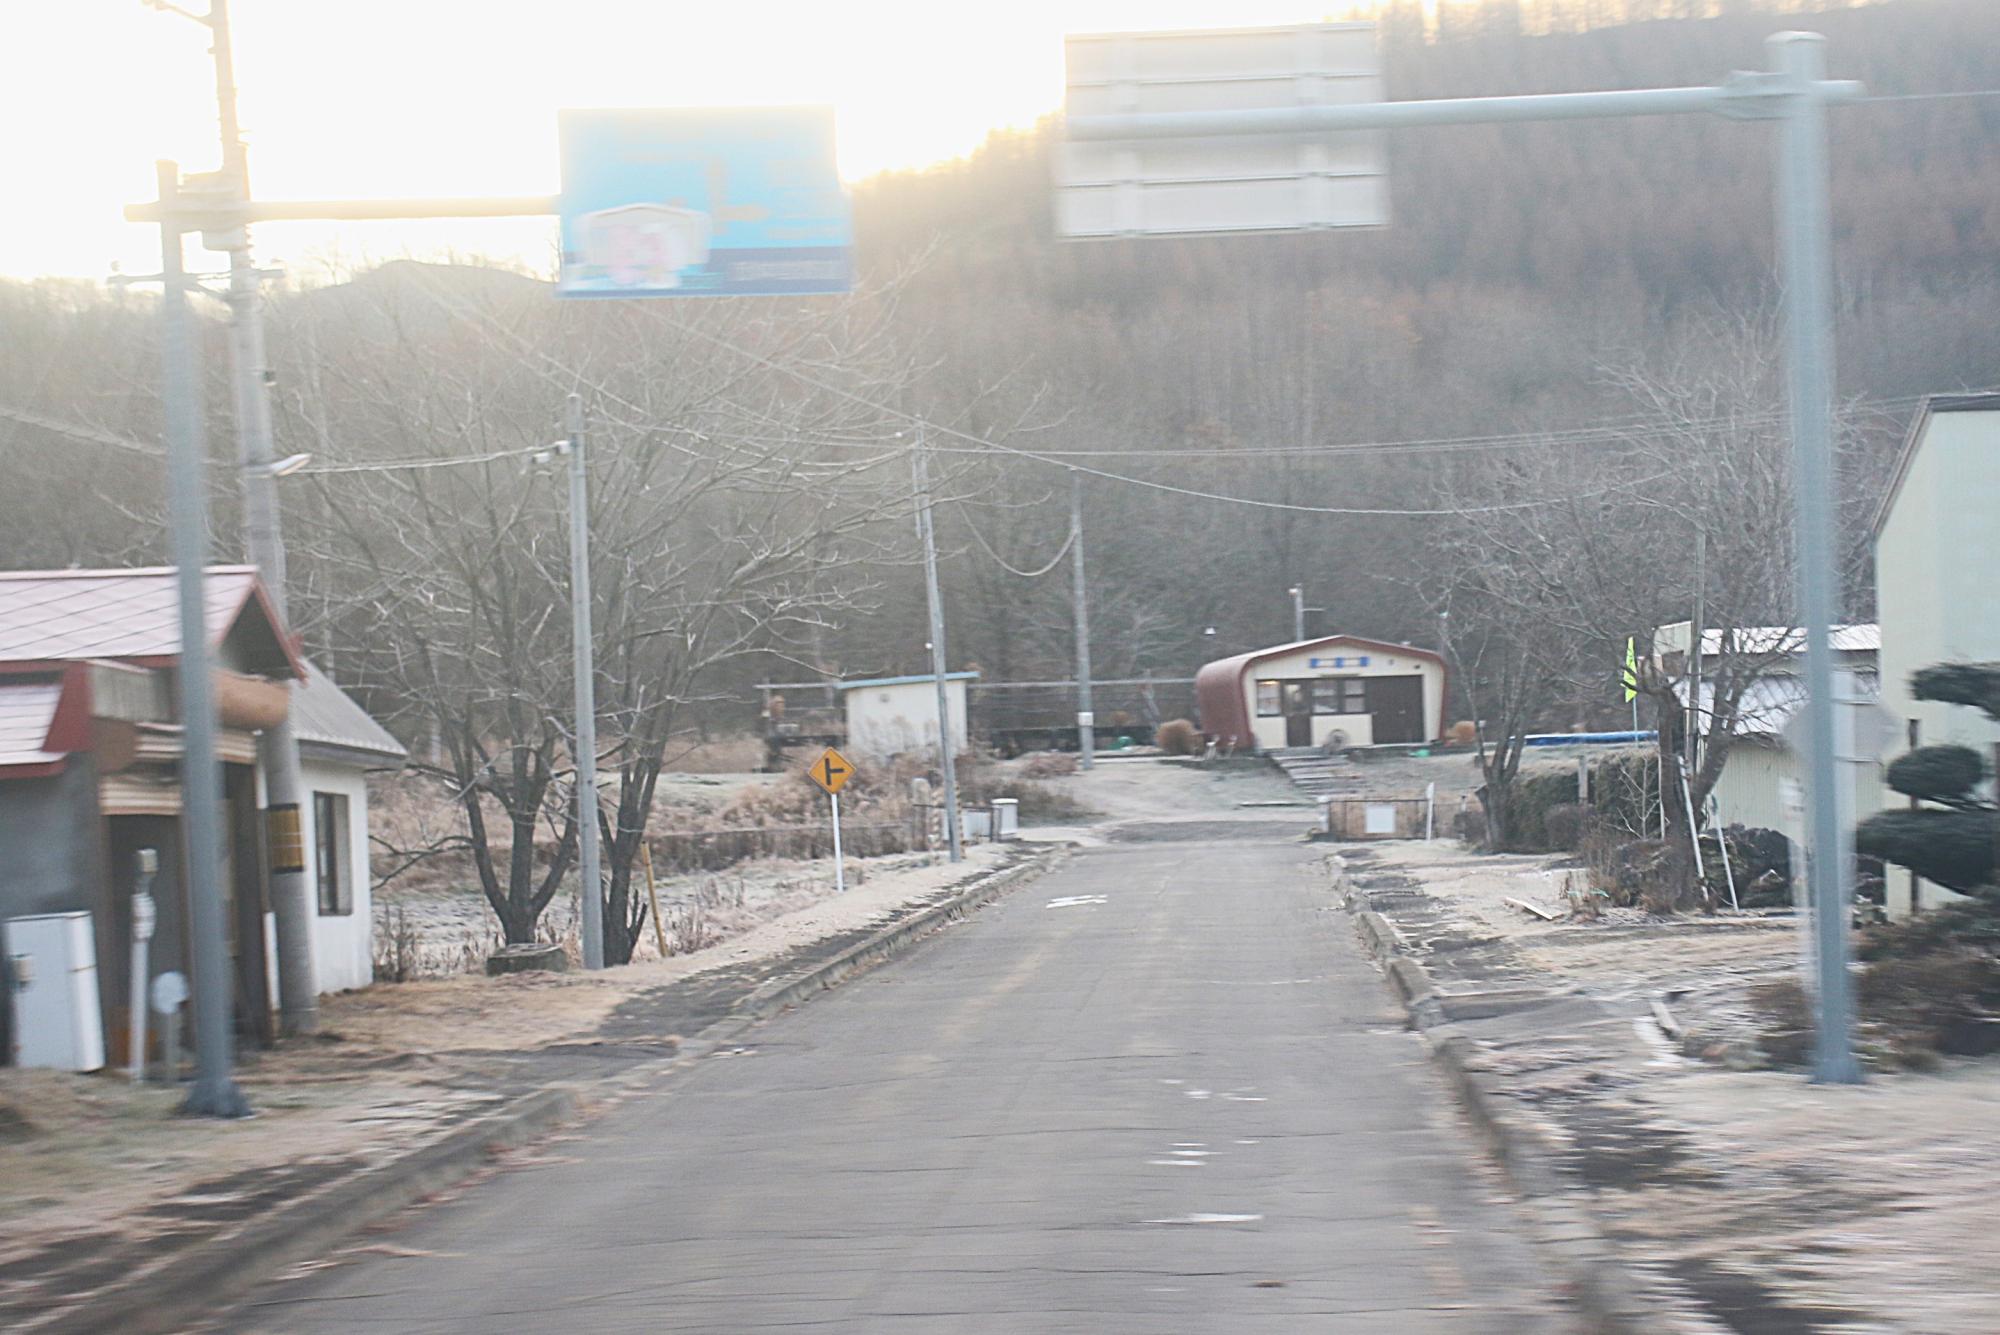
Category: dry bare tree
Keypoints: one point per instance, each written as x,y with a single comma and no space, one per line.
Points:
739,491
1586,542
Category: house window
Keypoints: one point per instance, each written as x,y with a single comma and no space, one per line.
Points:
1340,695
1268,705
332,874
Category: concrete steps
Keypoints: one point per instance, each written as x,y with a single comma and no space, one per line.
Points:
1313,771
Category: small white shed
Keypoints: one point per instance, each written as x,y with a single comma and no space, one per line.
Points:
889,716
338,745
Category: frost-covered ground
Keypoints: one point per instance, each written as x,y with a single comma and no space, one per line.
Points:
1779,1205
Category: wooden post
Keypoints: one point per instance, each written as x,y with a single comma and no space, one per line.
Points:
653,895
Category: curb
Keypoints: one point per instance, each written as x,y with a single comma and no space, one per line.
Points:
189,1285
780,994
1606,1293
198,1280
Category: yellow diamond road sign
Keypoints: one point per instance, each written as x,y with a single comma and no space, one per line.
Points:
831,771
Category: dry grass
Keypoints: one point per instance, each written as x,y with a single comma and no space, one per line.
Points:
717,755
1178,737
1048,765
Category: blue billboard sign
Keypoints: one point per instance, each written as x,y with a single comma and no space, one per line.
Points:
737,202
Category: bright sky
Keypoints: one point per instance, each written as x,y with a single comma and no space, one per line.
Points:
350,98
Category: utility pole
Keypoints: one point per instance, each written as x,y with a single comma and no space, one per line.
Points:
278,751
920,465
1086,721
214,1093
1298,592
1697,639
586,693
1805,248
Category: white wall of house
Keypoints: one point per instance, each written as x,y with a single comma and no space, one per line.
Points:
343,954
899,718
1327,662
1934,562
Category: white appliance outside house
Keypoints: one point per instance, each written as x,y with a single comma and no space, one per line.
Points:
52,967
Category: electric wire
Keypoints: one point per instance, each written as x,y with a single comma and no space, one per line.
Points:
1002,561
1147,483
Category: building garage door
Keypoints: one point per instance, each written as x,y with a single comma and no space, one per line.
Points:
1398,706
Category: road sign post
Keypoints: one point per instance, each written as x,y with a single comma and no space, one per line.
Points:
831,772
585,673
839,865
1148,137
743,202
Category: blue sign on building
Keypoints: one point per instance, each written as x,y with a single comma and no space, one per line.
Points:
735,202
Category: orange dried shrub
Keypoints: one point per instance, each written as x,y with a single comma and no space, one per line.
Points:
1178,737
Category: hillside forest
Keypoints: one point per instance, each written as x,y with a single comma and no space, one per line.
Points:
1519,404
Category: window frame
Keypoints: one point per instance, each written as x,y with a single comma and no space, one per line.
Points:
1348,695
331,813
1274,705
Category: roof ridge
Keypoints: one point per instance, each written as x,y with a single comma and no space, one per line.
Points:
122,572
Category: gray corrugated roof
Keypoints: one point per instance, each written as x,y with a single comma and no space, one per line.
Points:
867,682
26,710
52,615
324,717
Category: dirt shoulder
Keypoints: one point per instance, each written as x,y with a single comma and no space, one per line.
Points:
1770,1204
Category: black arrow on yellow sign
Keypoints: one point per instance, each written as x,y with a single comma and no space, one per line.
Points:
831,771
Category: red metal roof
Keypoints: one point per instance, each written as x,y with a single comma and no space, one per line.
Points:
27,709
56,616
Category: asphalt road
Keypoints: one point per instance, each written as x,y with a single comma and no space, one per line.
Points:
1158,1090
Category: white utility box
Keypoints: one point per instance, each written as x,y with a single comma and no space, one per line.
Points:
1006,818
52,960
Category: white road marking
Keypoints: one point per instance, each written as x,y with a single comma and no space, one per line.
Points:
1071,901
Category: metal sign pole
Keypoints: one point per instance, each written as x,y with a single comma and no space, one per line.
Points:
839,866
586,694
1795,93
215,1093
1805,246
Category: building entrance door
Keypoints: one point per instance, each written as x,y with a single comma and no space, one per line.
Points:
1298,713
1398,706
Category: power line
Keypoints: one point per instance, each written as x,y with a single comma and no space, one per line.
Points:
1001,561
1167,487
